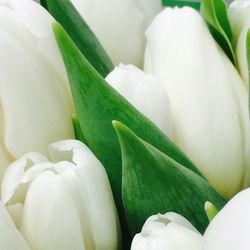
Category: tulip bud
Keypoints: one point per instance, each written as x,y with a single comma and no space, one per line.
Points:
239,15
145,93
36,105
169,231
229,230
120,25
209,102
65,203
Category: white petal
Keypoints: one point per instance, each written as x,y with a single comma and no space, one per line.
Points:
145,92
10,238
50,219
38,22
65,151
229,230
161,220
206,96
161,232
95,186
90,190
15,211
14,177
122,37
34,99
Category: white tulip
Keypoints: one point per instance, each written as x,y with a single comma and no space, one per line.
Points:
239,16
209,101
229,230
36,105
167,232
63,204
120,26
145,92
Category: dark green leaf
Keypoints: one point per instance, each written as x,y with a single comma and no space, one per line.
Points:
154,183
215,14
181,3
65,13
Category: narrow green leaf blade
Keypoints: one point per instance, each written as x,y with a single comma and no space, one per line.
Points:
154,183
65,13
215,14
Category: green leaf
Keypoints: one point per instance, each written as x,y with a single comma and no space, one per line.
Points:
98,104
65,13
248,64
182,3
211,210
215,14
154,183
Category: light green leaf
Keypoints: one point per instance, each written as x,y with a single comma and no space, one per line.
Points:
248,64
65,13
154,183
211,210
215,14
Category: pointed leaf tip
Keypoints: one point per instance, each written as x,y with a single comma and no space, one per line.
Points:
211,210
153,183
120,128
116,124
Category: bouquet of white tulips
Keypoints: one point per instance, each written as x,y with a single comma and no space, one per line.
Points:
124,125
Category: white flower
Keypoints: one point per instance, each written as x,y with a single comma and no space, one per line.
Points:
145,93
120,25
65,203
35,100
229,230
209,101
167,232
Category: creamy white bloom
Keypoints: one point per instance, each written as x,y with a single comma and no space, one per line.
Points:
209,101
65,203
229,230
35,102
120,25
167,232
145,92
239,16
